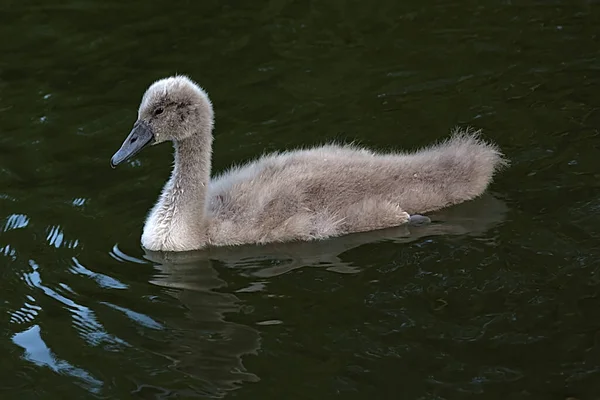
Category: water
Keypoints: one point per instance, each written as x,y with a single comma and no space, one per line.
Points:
500,301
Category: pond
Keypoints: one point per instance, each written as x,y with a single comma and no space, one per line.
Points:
500,300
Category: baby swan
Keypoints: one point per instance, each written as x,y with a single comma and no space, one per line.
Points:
303,194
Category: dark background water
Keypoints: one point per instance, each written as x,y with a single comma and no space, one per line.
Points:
498,301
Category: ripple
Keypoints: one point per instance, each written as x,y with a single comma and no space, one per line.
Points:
56,238
8,252
254,287
84,319
37,352
78,201
102,280
26,313
140,318
270,322
16,221
119,255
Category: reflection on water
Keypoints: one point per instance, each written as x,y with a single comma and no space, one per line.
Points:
197,341
83,319
37,352
484,303
214,347
211,346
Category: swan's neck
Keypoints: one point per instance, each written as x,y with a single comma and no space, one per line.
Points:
190,176
177,221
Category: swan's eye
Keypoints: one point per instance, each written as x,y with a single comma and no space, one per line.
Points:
158,111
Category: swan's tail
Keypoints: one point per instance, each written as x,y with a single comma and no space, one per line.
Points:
455,170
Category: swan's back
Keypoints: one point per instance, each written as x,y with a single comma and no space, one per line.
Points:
321,184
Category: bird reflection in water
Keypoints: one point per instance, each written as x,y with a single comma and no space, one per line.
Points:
209,347
215,347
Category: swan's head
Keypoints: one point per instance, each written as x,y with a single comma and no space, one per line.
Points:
172,109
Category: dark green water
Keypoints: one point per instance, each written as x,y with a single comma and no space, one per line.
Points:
498,301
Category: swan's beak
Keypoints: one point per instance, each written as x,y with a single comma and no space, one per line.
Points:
141,135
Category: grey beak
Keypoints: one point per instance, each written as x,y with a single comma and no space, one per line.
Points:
141,135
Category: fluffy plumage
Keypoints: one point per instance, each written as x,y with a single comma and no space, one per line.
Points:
296,195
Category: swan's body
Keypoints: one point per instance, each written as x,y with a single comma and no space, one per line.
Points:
298,195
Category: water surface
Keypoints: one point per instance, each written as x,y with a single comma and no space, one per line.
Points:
498,300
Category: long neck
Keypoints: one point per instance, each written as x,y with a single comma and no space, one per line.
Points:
177,222
191,175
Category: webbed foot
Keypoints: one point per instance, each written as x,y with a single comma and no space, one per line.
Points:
418,220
